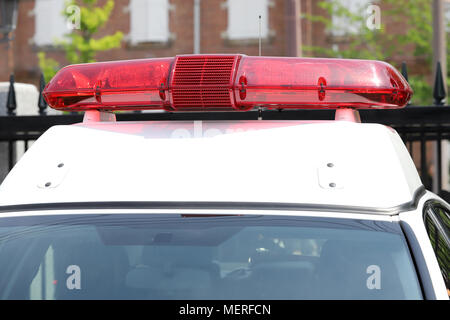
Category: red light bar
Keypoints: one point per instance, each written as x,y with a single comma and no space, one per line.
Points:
319,83
227,82
116,85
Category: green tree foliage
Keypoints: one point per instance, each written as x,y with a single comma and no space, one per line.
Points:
415,38
81,45
48,66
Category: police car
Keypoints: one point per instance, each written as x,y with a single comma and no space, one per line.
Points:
254,209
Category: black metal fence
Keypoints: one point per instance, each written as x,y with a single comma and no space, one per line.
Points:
424,129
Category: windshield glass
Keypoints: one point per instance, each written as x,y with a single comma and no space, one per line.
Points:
156,256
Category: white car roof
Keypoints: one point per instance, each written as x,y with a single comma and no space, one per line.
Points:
287,163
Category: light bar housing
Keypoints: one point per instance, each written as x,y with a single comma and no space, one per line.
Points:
227,82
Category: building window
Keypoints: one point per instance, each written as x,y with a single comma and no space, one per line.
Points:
243,19
149,21
50,23
348,17
447,15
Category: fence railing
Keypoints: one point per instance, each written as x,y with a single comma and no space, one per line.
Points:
425,130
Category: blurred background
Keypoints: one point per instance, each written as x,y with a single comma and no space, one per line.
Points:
45,35
38,37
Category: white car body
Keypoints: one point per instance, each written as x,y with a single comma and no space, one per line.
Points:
314,168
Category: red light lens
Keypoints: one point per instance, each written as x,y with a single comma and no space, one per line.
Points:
227,82
117,85
319,83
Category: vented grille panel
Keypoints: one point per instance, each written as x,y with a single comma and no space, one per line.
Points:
202,82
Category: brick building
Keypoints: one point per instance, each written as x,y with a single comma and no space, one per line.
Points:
158,28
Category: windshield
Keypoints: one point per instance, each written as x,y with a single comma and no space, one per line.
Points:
156,256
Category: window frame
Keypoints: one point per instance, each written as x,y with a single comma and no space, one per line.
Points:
266,32
134,40
50,43
347,28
